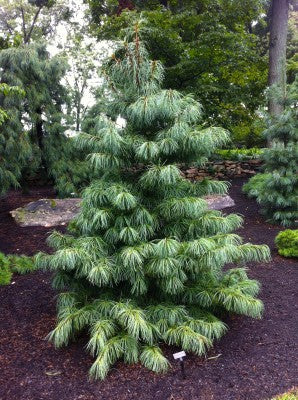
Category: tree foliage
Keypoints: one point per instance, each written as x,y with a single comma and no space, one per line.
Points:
25,20
277,188
292,46
15,151
36,121
209,48
145,261
82,65
14,264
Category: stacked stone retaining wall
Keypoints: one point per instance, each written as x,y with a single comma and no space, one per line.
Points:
223,170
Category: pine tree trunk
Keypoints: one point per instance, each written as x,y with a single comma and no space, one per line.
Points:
277,49
40,141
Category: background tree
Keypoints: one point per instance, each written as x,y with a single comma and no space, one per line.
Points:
39,76
25,20
292,45
277,188
209,48
81,74
93,114
279,14
40,113
145,263
15,149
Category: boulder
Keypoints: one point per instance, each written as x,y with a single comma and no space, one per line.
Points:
54,212
219,202
47,212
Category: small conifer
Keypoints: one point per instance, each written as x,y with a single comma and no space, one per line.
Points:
145,263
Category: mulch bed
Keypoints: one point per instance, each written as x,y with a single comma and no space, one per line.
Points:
255,360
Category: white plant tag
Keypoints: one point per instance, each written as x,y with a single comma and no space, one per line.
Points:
180,355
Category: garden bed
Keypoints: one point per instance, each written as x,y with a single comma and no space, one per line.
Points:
255,360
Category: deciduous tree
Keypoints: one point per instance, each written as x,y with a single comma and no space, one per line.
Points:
31,19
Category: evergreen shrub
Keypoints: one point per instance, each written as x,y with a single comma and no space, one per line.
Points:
277,189
21,264
14,264
287,243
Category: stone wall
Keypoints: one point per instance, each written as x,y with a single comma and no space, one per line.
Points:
223,170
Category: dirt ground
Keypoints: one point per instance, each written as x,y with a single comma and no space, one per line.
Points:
255,360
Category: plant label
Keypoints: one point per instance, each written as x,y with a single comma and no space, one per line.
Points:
179,355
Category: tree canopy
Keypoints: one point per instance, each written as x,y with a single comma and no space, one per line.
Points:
209,48
25,20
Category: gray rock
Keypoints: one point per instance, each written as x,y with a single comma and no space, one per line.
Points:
47,212
219,202
54,212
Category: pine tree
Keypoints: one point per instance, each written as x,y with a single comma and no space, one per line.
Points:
39,116
14,149
144,263
277,188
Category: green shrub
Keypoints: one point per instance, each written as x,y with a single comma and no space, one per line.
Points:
254,185
239,154
21,264
291,395
5,272
248,134
287,243
14,264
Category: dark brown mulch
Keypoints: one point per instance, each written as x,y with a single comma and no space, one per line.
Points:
255,360
22,240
